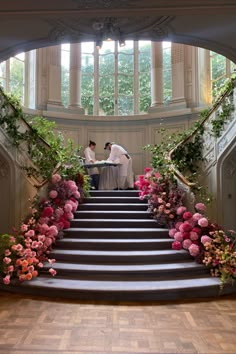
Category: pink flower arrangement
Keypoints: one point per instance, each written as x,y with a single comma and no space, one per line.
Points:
28,250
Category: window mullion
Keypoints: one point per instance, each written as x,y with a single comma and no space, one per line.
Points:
96,81
116,81
136,78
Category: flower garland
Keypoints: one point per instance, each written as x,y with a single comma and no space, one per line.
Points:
22,255
194,232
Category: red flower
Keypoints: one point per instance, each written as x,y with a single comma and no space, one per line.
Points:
147,169
47,212
187,215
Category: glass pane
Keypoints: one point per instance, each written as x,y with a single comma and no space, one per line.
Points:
107,47
87,104
87,85
87,47
106,105
216,85
17,77
145,83
125,105
65,86
3,69
125,63
232,67
145,46
125,85
106,85
144,103
87,63
106,64
128,48
144,62
218,66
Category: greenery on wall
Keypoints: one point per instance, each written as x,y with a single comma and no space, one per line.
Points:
45,148
187,153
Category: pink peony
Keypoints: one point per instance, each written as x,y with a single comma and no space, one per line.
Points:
178,224
52,231
48,211
172,232
178,236
203,222
77,194
68,208
53,194
30,233
197,216
56,178
181,210
186,244
176,245
185,227
194,250
205,239
187,215
193,236
200,207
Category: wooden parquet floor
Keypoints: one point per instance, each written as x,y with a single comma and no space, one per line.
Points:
45,326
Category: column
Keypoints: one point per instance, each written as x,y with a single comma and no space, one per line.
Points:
75,78
204,77
156,76
54,82
178,76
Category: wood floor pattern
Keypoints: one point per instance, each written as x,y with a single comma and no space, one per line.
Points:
45,326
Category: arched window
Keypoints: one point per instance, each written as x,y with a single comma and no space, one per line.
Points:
221,68
116,80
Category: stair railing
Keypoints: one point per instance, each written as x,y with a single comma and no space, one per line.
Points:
183,182
19,147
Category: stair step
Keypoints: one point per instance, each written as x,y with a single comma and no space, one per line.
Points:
121,200
114,193
113,206
113,244
122,290
112,214
116,223
127,271
142,233
119,257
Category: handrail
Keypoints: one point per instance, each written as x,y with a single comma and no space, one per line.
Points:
215,106
29,127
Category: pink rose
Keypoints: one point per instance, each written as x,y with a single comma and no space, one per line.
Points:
6,280
56,178
7,260
176,245
7,252
194,250
30,233
185,227
178,224
147,169
68,208
157,175
200,207
203,222
24,227
53,194
77,194
52,272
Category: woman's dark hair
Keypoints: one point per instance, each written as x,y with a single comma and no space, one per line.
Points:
92,143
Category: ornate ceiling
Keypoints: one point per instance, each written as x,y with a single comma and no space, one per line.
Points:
28,24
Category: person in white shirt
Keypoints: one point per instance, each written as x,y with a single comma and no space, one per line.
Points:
124,172
90,158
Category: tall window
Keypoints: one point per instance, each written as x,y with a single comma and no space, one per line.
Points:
116,80
221,68
65,74
167,72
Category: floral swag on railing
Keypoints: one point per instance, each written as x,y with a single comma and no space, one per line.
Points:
23,254
194,232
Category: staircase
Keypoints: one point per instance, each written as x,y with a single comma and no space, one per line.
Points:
115,251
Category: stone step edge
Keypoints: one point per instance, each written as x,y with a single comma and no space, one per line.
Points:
119,253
